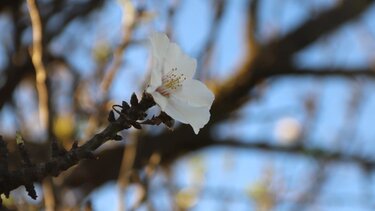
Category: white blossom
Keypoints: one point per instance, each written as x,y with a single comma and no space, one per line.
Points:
288,130
172,85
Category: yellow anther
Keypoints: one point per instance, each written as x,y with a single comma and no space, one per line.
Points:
171,81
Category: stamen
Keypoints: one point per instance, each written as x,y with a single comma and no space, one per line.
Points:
171,82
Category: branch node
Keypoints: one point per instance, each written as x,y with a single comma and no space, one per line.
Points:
56,149
134,100
111,116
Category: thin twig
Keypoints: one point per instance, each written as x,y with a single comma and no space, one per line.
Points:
149,171
205,54
314,187
49,198
253,27
36,57
129,23
125,169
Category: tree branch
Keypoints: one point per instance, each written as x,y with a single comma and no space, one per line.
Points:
275,56
173,145
324,72
59,163
313,29
37,59
315,153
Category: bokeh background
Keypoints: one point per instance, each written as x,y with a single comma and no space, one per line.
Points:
292,126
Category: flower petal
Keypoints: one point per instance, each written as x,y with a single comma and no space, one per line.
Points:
175,58
195,93
155,75
197,117
159,99
159,45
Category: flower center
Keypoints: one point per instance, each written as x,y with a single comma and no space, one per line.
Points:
171,82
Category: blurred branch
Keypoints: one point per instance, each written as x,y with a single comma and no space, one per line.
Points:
16,71
13,74
254,7
313,29
126,168
274,57
70,13
315,186
205,54
131,15
143,192
238,195
252,27
324,72
169,148
173,6
49,195
315,153
37,59
9,3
